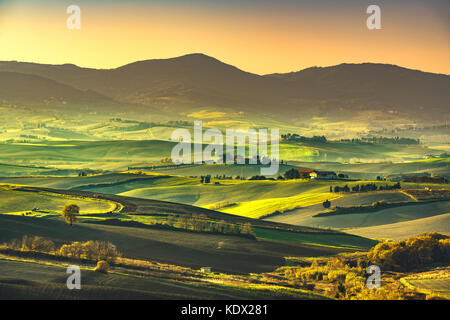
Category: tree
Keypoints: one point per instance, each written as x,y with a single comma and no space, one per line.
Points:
292,174
102,266
246,229
70,212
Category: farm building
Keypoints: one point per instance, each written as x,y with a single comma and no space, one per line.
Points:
314,174
329,175
305,173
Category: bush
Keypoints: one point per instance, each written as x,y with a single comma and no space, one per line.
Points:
102,266
92,250
37,244
405,255
292,174
381,203
42,245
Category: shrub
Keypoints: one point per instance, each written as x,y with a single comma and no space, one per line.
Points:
37,244
337,275
92,250
42,245
292,174
420,251
102,266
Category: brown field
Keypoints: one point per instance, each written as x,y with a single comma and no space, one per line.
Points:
429,194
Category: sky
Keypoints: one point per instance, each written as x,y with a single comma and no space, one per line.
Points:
258,36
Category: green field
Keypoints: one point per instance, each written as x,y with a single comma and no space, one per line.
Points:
237,254
260,208
370,170
119,154
299,200
338,241
435,282
440,287
223,253
18,202
45,175
30,280
401,230
390,223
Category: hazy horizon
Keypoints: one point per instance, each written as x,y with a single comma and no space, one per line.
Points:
240,68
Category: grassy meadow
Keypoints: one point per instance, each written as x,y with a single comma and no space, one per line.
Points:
167,224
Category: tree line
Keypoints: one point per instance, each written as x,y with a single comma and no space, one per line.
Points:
201,223
365,187
90,250
294,137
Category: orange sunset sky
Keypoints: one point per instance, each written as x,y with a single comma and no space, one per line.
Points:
256,36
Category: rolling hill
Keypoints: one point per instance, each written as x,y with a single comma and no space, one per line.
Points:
199,81
34,90
224,252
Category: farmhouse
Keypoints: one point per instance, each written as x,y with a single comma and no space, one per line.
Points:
305,173
205,269
314,174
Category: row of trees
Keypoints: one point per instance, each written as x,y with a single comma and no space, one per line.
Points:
299,138
292,174
205,179
365,187
373,140
198,223
295,174
201,223
91,250
382,140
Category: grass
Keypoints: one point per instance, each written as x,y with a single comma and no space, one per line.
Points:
400,230
195,250
260,208
118,153
433,283
46,280
185,248
326,240
253,199
17,201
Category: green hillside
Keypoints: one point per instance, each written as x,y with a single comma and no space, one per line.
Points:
121,154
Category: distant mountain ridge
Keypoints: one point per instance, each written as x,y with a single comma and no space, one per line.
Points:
33,90
198,81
